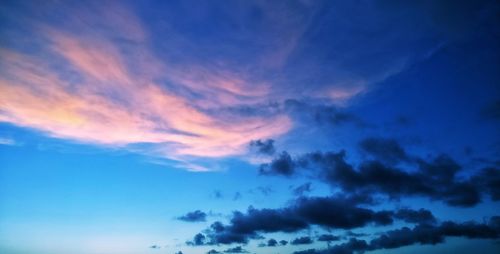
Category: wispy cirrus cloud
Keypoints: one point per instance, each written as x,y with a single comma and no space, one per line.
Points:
113,91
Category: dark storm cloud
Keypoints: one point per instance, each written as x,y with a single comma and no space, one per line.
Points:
386,150
435,179
335,212
328,238
283,242
302,189
195,216
301,240
264,147
420,234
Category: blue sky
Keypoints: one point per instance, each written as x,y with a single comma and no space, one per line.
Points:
191,126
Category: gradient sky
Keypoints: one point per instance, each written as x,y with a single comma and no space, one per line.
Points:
135,126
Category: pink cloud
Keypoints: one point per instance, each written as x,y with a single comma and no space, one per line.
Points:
116,101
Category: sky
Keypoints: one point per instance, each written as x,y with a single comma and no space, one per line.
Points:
290,127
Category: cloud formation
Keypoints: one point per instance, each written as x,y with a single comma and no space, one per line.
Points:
436,179
91,88
195,216
335,212
301,240
420,234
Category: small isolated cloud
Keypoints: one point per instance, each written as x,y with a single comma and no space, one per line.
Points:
237,196
195,216
155,247
217,194
7,141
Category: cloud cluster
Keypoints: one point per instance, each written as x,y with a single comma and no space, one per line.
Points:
335,212
436,179
421,234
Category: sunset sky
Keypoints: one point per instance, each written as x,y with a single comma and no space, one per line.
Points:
290,127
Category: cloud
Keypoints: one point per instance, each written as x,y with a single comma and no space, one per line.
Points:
237,249
421,216
281,165
435,178
264,147
265,190
110,90
198,239
283,242
300,190
489,180
237,196
336,212
7,141
212,251
217,194
420,234
321,114
272,243
386,150
195,216
302,240
328,238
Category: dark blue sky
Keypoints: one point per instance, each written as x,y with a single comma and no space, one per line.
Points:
249,126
